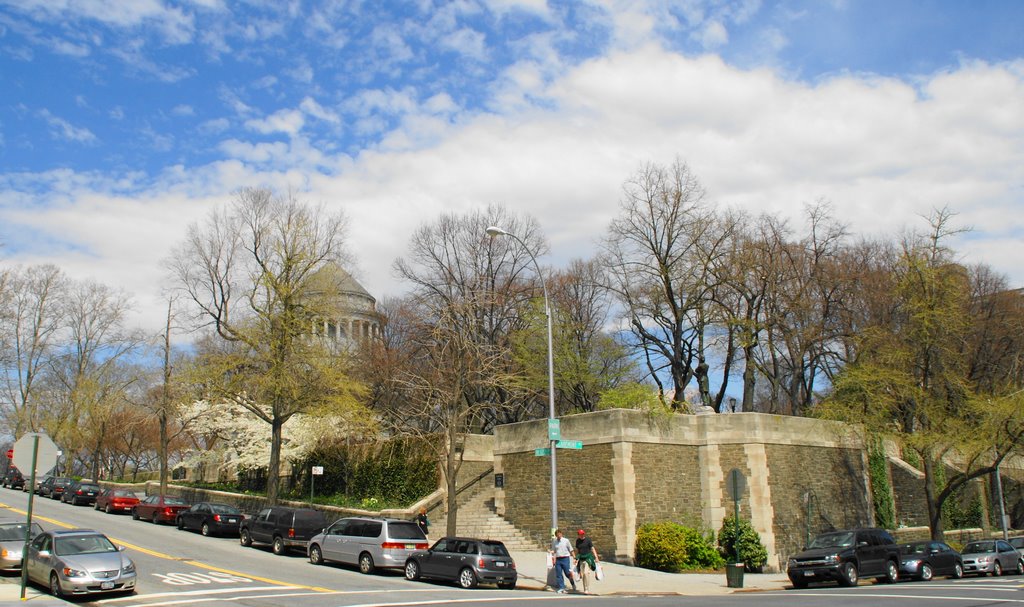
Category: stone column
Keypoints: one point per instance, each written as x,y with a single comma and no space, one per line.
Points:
712,480
762,513
624,485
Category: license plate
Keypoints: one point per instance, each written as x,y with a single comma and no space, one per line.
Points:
410,546
107,586
499,563
808,573
232,520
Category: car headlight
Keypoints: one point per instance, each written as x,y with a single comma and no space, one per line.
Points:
129,568
984,560
69,572
791,564
832,559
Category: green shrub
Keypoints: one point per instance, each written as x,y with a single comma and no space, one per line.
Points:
748,549
668,546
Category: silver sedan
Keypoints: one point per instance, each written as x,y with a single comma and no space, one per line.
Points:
994,557
12,543
78,562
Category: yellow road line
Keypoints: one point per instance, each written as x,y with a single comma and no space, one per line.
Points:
168,557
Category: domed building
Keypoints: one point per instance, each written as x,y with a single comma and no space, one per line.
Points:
354,317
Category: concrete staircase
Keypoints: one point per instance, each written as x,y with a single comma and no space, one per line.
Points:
478,518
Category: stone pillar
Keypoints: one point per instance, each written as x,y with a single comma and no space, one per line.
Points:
712,479
762,513
624,498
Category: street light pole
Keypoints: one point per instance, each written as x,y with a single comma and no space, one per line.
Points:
493,231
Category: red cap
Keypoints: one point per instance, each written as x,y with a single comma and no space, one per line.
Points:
581,532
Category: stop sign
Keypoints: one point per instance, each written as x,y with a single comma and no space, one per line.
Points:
46,454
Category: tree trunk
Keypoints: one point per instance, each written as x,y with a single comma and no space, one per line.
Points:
274,467
450,477
934,509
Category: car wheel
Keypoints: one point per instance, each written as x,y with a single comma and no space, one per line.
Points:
892,572
467,579
205,529
179,523
926,573
850,575
156,518
365,563
412,570
108,509
278,546
997,569
135,514
1020,568
315,556
244,538
55,586
507,585
958,571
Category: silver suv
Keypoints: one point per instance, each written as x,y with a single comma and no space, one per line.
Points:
368,542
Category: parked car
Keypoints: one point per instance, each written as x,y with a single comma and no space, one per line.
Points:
78,562
54,487
367,542
845,557
211,518
926,559
12,543
467,561
80,492
991,556
282,528
1017,542
116,500
159,509
39,481
13,478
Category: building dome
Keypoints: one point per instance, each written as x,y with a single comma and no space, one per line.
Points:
354,315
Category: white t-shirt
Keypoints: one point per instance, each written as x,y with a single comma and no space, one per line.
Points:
561,547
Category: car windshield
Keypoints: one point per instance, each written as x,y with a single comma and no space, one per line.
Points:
224,509
405,531
89,487
123,493
833,540
174,501
979,547
917,548
82,544
16,531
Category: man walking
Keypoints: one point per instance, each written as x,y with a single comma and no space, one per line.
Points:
586,558
562,550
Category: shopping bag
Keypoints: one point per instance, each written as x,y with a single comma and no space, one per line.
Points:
575,575
551,560
599,572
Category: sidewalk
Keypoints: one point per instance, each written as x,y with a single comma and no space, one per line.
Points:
622,579
10,595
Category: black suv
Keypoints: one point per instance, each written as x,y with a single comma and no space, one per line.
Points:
283,528
13,479
845,557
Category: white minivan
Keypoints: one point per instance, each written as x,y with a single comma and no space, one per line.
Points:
370,543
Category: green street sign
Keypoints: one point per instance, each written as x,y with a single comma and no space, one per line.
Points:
554,429
544,451
569,444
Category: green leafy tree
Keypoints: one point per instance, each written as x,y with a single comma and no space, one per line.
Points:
746,547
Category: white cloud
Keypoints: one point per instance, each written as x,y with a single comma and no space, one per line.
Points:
713,35
218,125
62,129
314,109
183,110
289,122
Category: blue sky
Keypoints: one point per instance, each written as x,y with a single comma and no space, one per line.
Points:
121,122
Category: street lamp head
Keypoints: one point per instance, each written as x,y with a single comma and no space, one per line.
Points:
496,231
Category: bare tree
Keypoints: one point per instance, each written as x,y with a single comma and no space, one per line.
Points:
254,273
31,317
660,254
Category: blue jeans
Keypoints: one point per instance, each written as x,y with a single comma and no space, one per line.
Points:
563,567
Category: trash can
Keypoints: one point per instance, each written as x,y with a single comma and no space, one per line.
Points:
734,575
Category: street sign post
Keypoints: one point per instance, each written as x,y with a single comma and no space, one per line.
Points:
32,452
315,471
554,429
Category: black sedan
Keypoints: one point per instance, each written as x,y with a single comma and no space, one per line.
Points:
926,559
467,561
211,518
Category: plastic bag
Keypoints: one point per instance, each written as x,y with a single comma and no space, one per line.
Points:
599,572
551,560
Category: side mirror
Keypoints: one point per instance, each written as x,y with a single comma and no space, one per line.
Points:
43,554
861,543
122,548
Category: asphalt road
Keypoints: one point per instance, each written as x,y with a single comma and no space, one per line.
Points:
184,568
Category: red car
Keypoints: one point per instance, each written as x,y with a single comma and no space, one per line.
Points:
116,500
159,509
